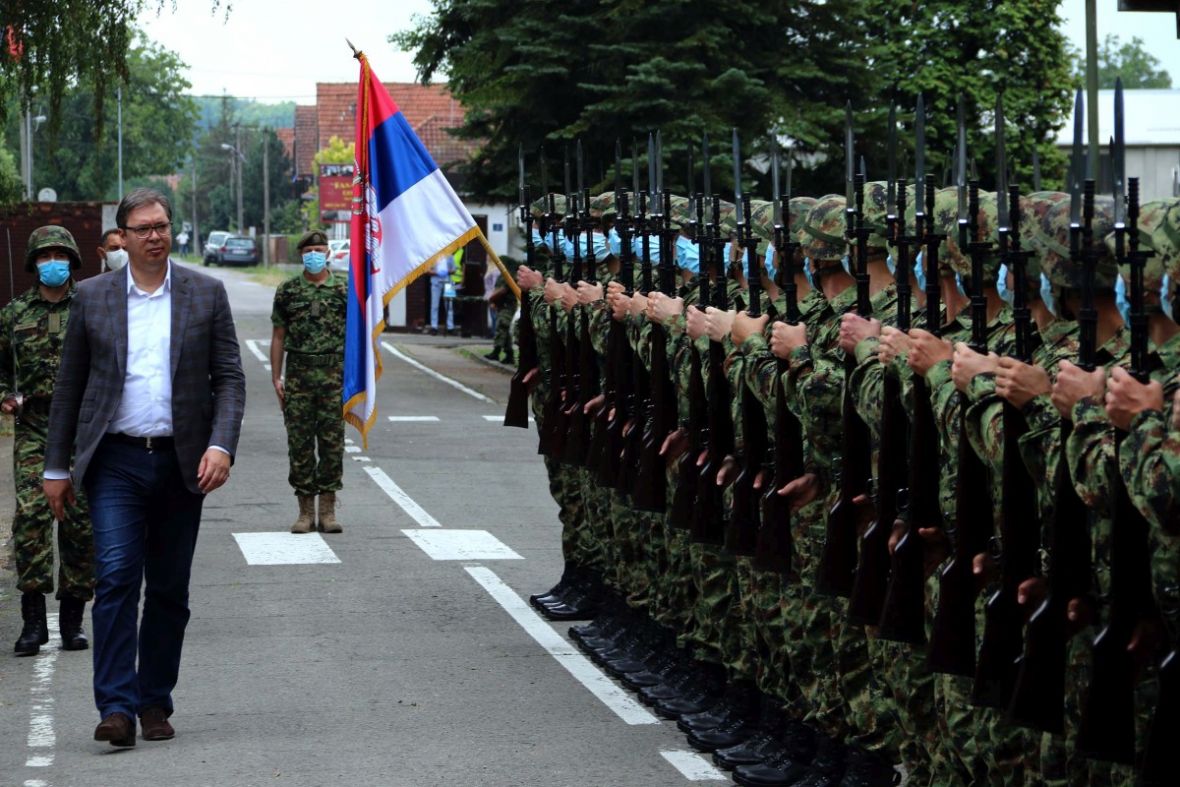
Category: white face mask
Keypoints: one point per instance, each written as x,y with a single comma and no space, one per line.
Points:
116,259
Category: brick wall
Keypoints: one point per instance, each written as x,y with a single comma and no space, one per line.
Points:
82,219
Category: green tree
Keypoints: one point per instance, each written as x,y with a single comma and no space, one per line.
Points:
546,73
1137,67
54,45
280,170
11,187
158,124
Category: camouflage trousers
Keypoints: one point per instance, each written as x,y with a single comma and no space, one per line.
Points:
32,523
569,507
767,613
315,426
503,340
715,636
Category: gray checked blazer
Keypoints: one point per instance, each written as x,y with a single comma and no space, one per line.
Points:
208,386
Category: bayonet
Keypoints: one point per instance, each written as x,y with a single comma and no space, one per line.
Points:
635,169
1001,168
579,166
651,169
520,173
566,171
777,211
618,167
849,159
919,153
1118,159
1077,162
707,179
544,174
737,173
961,160
891,163
659,165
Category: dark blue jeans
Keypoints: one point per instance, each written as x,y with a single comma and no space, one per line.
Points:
145,529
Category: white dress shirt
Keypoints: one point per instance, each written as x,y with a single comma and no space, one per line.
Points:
145,409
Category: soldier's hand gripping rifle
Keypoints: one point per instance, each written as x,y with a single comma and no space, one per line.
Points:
708,515
741,537
575,417
1108,719
517,411
687,474
587,358
872,571
640,387
1038,699
650,493
775,544
952,641
837,565
1019,544
602,462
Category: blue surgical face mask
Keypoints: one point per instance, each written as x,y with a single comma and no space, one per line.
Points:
614,242
807,273
538,240
771,270
728,255
960,286
314,262
891,264
920,271
601,247
1166,297
846,264
1120,298
653,244
688,256
1047,296
567,247
1006,294
53,273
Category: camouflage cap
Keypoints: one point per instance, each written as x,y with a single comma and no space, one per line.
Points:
51,236
762,219
942,202
1159,234
680,214
312,238
822,235
1051,238
541,206
1032,214
987,230
799,208
874,212
603,205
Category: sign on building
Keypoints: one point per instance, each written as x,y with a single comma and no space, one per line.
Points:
336,192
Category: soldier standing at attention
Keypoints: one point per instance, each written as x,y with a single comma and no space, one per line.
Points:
31,331
308,319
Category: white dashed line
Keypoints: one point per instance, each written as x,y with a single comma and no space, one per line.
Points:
440,377
500,418
461,545
253,345
397,495
42,737
284,549
406,419
352,449
693,766
361,459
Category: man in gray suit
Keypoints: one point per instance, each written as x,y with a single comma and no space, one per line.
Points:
148,406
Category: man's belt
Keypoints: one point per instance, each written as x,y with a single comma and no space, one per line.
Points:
315,359
146,443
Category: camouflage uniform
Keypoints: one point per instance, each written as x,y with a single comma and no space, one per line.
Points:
313,316
34,328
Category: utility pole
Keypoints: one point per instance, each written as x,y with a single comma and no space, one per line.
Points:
238,151
265,196
196,227
119,103
1092,86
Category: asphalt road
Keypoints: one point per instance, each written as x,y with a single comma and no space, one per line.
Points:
406,656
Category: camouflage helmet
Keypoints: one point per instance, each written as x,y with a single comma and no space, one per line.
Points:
874,212
762,219
51,236
1159,234
987,231
603,205
680,214
1051,239
945,207
541,205
799,208
1032,214
822,235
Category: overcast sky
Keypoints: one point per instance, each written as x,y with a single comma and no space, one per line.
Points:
285,46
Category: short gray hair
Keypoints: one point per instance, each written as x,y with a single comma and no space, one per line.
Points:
138,198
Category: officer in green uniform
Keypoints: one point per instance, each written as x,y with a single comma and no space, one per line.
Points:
32,328
308,318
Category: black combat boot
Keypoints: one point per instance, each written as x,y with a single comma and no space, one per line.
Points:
36,630
70,623
494,355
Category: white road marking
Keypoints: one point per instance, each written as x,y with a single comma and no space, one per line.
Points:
284,549
500,418
440,377
693,766
608,692
361,459
461,545
42,737
407,504
36,783
352,449
413,418
252,344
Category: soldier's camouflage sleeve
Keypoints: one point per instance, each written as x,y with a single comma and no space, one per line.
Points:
946,403
599,327
868,385
1090,452
1149,460
760,367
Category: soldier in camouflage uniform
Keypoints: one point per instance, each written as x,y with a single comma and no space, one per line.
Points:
308,317
503,300
32,328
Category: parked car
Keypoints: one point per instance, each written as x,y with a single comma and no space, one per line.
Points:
235,250
213,245
338,255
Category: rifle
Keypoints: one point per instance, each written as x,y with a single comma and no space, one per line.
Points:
640,387
952,642
1108,719
708,523
687,474
574,452
741,537
1038,699
775,540
867,599
553,423
650,493
619,390
1003,630
516,413
837,567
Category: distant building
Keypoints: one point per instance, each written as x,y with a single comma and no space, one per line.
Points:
1152,133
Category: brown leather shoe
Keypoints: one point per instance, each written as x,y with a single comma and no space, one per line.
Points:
117,728
155,726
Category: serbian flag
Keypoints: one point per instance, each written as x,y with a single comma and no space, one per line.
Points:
405,217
